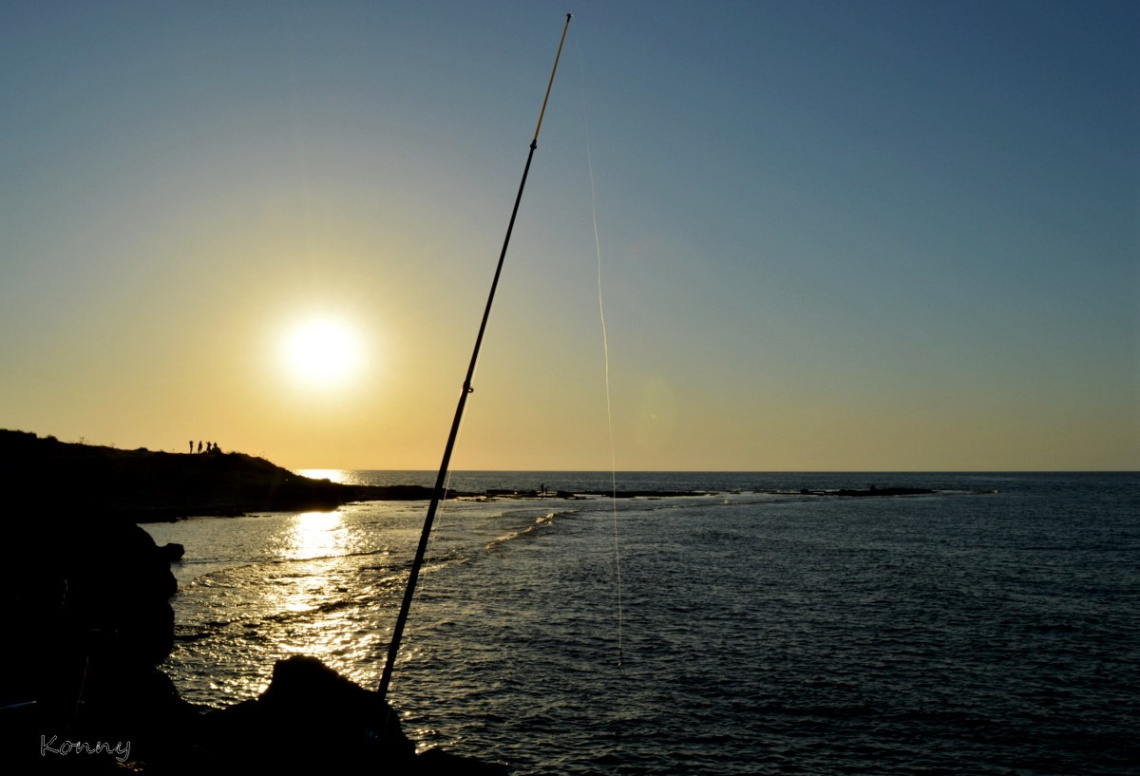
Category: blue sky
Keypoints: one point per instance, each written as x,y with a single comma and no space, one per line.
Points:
856,236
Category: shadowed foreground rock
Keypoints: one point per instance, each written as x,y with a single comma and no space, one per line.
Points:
87,622
314,720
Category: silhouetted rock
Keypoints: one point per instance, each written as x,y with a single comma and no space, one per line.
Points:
310,719
172,551
84,596
153,486
87,621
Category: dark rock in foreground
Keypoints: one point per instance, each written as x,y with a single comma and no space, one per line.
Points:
309,706
87,623
311,719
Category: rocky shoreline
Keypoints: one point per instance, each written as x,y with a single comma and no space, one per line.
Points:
88,623
86,594
151,486
147,486
87,602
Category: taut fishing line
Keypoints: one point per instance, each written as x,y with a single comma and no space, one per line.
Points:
606,358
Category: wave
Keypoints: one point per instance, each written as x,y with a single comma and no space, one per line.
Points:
539,522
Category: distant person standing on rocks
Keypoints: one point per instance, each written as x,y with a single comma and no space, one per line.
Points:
199,445
191,446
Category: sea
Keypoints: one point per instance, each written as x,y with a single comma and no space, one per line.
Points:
990,627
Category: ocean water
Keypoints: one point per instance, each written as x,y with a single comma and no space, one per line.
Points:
990,628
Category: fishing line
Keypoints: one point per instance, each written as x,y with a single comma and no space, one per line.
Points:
606,357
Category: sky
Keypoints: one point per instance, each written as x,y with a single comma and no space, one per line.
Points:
830,236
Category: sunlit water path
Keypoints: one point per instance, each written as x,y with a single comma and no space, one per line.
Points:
969,631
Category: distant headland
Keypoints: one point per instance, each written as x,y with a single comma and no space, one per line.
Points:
146,486
150,486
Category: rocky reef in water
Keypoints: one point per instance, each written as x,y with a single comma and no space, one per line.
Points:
870,491
145,485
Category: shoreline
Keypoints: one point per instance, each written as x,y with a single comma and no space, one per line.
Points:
86,594
152,486
148,486
87,591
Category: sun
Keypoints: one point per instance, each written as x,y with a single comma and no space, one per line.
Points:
322,352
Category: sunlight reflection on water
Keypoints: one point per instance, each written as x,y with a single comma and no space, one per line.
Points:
906,630
342,476
315,535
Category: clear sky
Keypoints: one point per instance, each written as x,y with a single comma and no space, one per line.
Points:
834,235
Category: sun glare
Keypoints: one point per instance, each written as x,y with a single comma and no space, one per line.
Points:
322,352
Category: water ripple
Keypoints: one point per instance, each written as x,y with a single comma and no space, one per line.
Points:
982,634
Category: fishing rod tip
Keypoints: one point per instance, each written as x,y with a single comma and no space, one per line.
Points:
569,16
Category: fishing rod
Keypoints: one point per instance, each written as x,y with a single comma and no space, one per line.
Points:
441,478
